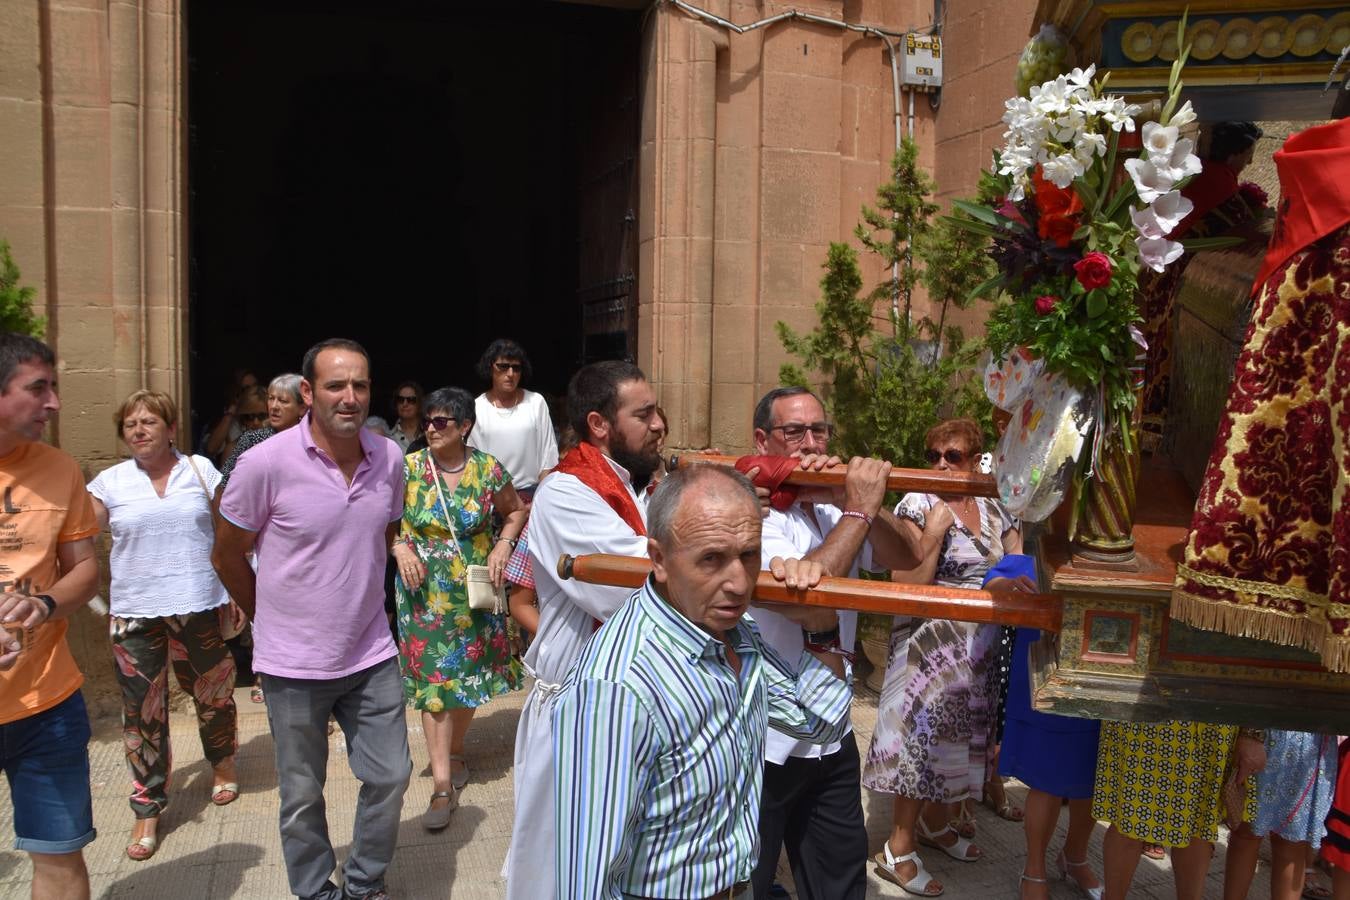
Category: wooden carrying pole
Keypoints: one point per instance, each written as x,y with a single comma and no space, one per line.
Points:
1042,611
924,481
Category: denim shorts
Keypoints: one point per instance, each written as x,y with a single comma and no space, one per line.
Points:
46,759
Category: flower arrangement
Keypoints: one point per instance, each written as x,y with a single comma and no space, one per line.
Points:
1069,231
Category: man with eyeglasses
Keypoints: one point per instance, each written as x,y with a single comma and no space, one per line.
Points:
812,797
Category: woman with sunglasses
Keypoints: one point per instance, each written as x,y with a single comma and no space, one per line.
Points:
407,417
933,743
454,658
513,423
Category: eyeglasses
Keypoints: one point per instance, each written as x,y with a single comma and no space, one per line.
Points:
407,398
795,434
505,367
438,423
955,457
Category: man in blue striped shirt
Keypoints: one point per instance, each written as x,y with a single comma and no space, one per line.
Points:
659,729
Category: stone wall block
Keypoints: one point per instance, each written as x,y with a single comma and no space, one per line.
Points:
745,52
125,172
674,286
80,157
799,196
86,336
162,145
733,344
802,48
771,353
79,56
734,271
673,214
21,150
126,267
20,77
703,99
161,244
860,178
84,254
647,206
780,272
733,410
671,397
702,193
738,110
25,228
700,270
737,193
123,39
162,32
801,112
699,347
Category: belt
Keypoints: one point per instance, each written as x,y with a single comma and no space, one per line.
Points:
735,890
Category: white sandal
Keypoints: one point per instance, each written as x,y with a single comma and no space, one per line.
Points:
958,851
886,864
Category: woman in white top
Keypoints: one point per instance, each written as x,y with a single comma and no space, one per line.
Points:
166,606
513,424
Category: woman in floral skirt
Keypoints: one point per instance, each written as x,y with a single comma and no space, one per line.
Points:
454,658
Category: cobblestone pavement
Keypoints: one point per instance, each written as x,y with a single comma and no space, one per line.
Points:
234,851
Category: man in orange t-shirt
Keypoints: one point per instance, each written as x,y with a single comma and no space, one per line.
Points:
47,571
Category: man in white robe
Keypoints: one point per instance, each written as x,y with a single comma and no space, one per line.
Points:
590,504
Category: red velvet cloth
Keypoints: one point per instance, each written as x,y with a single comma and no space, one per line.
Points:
773,471
590,467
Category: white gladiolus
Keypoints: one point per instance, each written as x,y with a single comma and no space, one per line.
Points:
1159,219
1159,140
1150,182
1180,163
1158,253
1183,116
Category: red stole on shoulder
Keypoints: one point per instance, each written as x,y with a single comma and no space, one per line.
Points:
589,466
1314,167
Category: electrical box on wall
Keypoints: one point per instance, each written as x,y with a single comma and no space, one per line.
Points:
921,63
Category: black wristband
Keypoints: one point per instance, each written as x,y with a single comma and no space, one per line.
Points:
822,638
47,601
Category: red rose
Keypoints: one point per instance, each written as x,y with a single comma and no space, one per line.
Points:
1254,195
1045,303
1093,270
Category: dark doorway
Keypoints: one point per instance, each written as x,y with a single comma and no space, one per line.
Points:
421,176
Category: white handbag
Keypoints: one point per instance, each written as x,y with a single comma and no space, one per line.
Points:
477,579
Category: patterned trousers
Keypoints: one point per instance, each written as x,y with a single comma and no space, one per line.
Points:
143,650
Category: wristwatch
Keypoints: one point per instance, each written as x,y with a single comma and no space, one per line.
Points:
821,638
48,601
510,541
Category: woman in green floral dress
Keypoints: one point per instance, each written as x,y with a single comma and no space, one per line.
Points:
454,658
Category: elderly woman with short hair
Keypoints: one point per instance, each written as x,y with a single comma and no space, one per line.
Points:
285,407
454,658
166,605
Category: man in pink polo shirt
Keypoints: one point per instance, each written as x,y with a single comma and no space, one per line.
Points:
320,503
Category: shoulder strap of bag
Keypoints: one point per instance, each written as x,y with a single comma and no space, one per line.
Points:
200,480
440,498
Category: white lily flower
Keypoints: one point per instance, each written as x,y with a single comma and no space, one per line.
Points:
1159,140
1089,143
1183,116
1150,182
1158,253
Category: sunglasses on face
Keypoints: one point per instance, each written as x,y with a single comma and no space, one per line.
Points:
404,398
953,457
505,367
438,423
795,434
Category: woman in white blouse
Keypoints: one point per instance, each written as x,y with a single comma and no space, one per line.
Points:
513,423
167,605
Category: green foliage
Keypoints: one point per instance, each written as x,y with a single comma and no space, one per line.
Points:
885,389
16,303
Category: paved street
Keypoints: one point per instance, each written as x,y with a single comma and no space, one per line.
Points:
234,851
